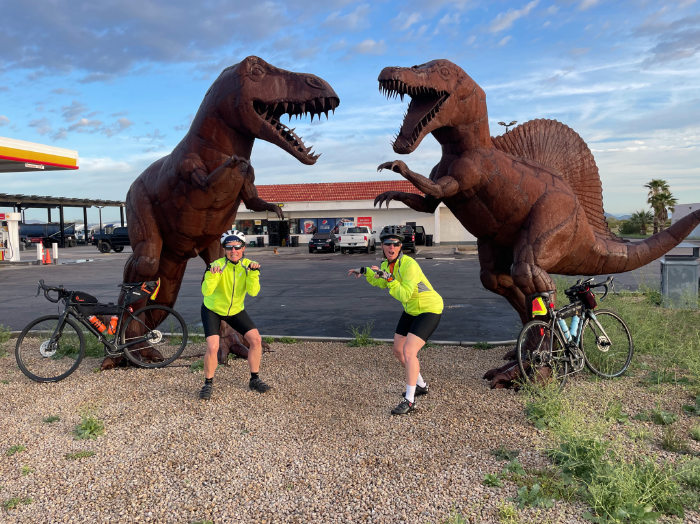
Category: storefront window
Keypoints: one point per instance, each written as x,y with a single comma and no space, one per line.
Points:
252,227
293,226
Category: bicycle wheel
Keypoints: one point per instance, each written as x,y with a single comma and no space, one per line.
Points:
541,355
164,339
45,358
607,353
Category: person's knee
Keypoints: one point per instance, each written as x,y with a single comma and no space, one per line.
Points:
254,338
398,350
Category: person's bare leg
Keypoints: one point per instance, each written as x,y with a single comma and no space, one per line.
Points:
399,341
411,348
210,357
255,349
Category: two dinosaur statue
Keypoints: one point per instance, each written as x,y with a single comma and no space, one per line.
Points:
532,197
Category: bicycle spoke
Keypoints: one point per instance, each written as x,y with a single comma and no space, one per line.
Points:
541,356
607,344
46,355
162,332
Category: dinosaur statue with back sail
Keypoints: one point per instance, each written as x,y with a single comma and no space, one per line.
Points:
180,205
532,197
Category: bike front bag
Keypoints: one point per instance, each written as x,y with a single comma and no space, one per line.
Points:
588,298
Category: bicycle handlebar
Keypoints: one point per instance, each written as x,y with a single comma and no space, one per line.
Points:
47,289
581,287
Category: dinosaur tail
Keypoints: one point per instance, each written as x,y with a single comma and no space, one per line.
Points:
617,257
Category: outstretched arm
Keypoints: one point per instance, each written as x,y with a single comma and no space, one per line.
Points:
194,170
427,204
249,194
445,186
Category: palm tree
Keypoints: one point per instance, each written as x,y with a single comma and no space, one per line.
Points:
657,187
663,202
642,219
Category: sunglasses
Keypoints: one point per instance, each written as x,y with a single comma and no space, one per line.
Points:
231,248
392,243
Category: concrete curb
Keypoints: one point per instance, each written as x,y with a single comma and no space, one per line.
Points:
391,340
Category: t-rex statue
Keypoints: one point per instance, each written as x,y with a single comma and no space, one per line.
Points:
532,197
181,204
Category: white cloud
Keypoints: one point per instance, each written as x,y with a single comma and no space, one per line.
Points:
4,120
587,4
370,47
74,110
117,127
552,9
471,39
504,20
505,40
445,22
352,21
403,21
42,125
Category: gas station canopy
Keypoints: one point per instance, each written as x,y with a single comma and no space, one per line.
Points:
20,156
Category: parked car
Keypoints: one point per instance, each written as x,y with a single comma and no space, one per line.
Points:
115,240
323,242
420,235
357,238
409,238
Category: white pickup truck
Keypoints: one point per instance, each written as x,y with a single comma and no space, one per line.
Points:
357,238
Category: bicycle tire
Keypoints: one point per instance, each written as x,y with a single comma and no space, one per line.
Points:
177,337
530,340
24,363
614,324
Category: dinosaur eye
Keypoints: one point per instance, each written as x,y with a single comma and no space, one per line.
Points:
314,82
257,72
445,71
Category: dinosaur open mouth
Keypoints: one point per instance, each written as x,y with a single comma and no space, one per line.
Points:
425,104
273,112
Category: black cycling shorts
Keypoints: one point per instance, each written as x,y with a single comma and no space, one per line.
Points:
421,325
212,322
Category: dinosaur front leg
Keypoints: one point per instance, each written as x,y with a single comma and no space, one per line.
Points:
444,187
426,204
205,181
249,194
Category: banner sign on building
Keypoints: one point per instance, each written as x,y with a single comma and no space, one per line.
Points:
309,226
344,222
326,225
365,221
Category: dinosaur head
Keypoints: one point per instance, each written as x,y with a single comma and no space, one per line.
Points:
253,96
442,96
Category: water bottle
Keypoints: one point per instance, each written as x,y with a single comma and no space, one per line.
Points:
565,329
97,323
113,325
574,327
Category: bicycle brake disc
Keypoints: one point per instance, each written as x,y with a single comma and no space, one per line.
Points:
45,351
156,336
603,344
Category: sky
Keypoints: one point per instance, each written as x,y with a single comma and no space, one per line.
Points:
120,80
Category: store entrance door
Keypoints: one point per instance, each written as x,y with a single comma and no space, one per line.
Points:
279,232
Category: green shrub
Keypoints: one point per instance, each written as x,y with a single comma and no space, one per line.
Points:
662,418
501,453
288,340
507,514
51,419
89,427
482,345
362,336
639,435
17,448
5,335
268,340
693,409
197,365
515,468
26,470
532,497
695,432
673,441
579,455
613,412
16,501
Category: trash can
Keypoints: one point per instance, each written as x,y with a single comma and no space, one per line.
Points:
261,242
251,243
679,276
428,240
295,241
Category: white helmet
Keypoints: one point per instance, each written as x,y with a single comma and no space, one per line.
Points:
232,235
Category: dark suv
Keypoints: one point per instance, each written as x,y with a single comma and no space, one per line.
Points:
409,238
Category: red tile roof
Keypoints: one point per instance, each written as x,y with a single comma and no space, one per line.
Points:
333,191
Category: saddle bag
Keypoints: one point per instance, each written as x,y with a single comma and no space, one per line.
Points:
89,305
138,292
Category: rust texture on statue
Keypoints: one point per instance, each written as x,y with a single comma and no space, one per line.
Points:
181,204
532,197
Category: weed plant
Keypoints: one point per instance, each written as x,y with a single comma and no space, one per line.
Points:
26,470
482,345
501,453
5,335
613,413
89,427
93,347
694,433
51,419
17,448
672,440
16,501
197,365
693,409
640,435
532,497
268,340
362,336
507,514
492,480
288,340
79,455
662,418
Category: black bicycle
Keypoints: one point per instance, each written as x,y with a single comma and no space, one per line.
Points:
51,347
599,340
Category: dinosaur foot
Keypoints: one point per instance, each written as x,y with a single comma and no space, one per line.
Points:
151,354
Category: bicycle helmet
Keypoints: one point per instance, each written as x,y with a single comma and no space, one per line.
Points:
232,235
391,232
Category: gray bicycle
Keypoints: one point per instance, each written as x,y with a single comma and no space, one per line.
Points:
597,339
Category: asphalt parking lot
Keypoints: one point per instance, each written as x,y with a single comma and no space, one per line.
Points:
302,294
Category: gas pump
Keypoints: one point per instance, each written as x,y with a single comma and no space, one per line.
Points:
9,236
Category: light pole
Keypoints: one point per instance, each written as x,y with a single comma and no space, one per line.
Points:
100,208
508,125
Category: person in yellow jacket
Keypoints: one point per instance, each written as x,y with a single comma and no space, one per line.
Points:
403,277
226,283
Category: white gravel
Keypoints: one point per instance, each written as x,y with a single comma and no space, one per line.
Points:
319,448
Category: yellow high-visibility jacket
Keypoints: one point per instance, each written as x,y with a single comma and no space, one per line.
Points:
224,292
409,286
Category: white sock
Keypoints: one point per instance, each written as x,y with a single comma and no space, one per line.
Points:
420,381
410,393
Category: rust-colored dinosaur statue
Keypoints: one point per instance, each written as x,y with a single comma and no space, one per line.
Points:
532,197
181,204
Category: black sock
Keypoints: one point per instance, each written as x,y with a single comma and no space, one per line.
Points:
253,376
209,380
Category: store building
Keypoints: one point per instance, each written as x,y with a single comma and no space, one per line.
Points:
311,208
682,210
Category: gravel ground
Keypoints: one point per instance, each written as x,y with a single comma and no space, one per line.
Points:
319,448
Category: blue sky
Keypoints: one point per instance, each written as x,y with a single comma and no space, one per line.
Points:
119,81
